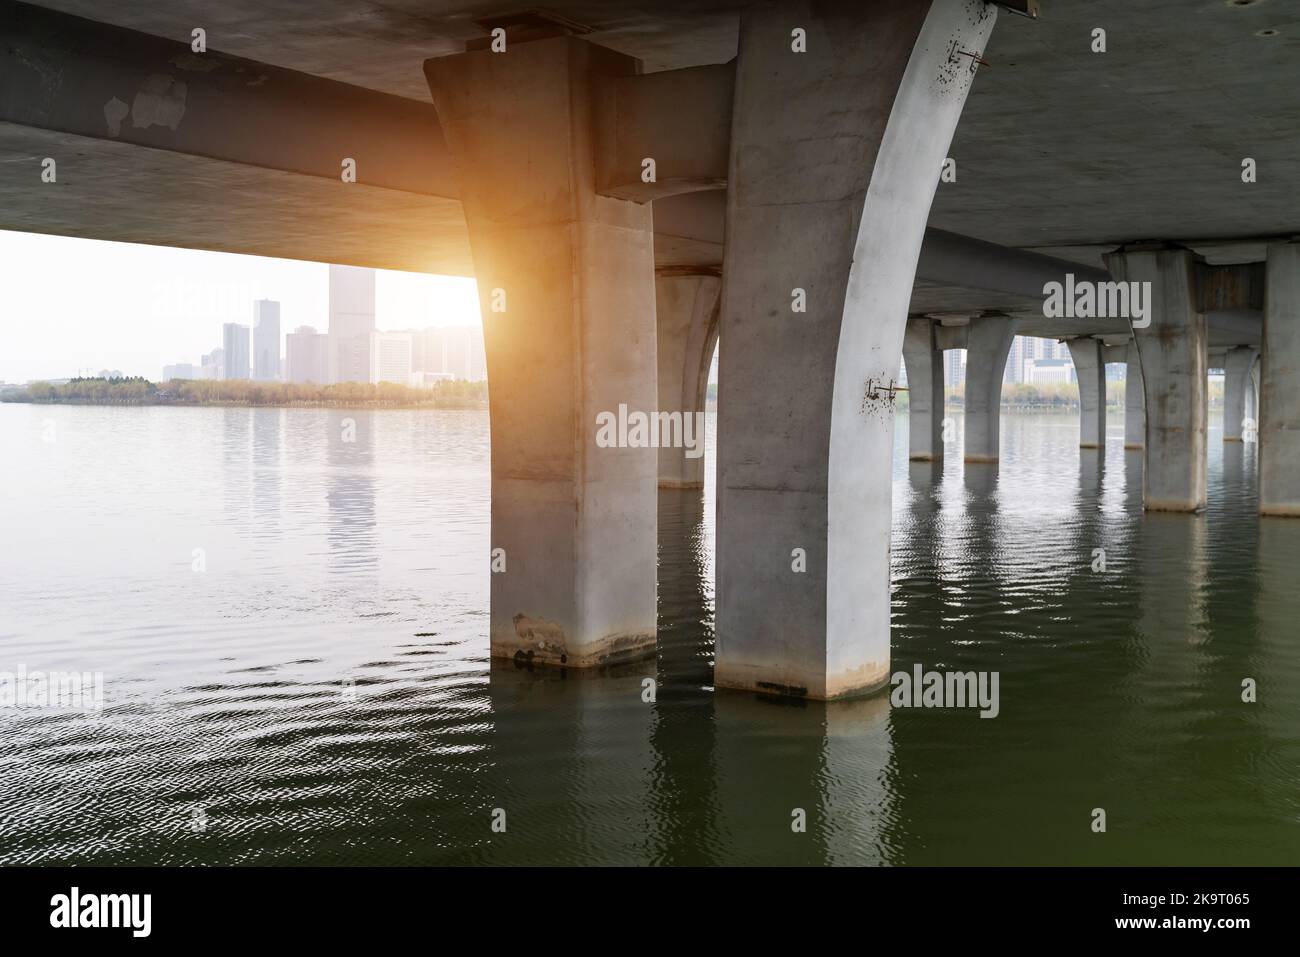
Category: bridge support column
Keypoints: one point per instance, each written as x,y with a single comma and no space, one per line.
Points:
924,391
1090,371
1237,366
833,167
988,343
1174,368
1279,392
687,307
566,282
1252,391
1135,411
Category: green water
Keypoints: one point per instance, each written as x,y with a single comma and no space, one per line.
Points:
230,734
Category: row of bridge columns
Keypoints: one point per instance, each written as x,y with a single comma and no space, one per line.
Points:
1166,394
841,113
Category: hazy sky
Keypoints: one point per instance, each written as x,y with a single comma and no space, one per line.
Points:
81,305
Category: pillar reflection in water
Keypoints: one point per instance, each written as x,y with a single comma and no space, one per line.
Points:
351,490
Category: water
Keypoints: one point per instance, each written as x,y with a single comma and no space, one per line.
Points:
229,734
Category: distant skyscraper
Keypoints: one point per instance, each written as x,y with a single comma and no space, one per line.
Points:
451,352
390,357
954,362
212,365
351,321
234,345
306,356
181,370
266,339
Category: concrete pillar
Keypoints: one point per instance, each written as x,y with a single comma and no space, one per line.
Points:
1252,395
687,306
988,342
1135,411
924,391
1174,369
1090,371
1236,386
1279,391
566,282
834,160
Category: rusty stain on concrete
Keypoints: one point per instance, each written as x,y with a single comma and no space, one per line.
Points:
878,398
539,635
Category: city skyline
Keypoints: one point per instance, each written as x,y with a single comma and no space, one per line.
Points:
138,308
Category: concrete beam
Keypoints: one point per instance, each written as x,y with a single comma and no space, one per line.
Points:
68,74
974,264
1229,287
680,120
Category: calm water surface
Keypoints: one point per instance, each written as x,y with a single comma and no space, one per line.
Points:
321,692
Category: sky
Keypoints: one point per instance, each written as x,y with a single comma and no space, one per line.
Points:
70,306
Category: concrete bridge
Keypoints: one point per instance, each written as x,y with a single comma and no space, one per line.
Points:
818,188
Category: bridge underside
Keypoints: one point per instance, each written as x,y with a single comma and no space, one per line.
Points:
815,260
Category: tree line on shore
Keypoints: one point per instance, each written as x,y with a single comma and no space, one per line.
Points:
136,390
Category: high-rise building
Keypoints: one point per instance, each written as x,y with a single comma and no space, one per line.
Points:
234,345
211,366
306,356
351,322
457,350
954,368
266,339
390,357
181,370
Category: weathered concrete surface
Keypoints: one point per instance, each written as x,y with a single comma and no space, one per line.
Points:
925,396
988,342
110,190
1135,408
687,305
1237,366
572,274
833,160
1174,368
679,119
1252,393
1090,370
78,76
1279,392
